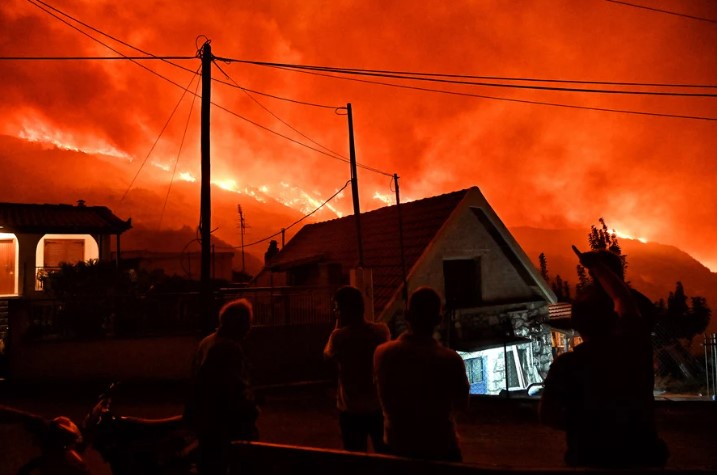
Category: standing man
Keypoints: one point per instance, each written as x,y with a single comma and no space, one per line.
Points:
421,384
601,393
351,346
221,406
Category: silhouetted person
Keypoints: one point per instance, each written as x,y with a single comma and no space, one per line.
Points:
351,345
420,385
59,440
647,308
601,393
272,250
222,407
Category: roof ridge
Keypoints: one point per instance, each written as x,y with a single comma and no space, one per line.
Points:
404,203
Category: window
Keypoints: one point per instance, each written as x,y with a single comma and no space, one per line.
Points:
57,251
476,374
516,359
462,281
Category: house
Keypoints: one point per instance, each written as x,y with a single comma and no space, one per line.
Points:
495,299
36,238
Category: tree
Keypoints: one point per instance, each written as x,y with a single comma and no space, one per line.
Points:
559,286
600,239
682,320
543,261
678,322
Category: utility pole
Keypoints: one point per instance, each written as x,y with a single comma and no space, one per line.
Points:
206,301
404,292
242,227
354,185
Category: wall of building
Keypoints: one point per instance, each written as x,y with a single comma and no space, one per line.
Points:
465,237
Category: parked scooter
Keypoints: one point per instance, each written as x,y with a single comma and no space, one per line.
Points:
140,446
59,440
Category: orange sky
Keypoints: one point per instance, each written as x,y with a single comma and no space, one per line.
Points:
648,176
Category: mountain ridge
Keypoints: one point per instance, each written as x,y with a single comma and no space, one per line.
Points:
652,268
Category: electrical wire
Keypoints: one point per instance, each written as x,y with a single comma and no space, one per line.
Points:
298,220
659,10
93,58
277,117
442,79
336,155
184,92
169,80
152,56
176,162
508,99
48,6
33,2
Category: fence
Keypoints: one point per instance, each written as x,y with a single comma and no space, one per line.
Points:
710,345
164,314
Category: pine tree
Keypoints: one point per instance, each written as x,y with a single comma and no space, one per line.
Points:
543,261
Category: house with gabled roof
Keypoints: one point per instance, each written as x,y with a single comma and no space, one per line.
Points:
495,298
35,238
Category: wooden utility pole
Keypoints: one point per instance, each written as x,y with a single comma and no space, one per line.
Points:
404,291
242,227
354,185
207,307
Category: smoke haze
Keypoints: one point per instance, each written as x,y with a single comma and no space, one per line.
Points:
543,166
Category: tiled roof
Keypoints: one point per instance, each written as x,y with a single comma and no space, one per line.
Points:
336,241
59,219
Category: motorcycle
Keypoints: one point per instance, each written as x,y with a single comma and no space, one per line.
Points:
140,446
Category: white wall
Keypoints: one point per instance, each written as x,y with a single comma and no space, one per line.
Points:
92,250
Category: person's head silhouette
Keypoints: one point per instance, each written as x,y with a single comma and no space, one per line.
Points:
349,305
235,319
424,311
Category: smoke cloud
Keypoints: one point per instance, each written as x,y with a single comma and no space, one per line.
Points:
539,165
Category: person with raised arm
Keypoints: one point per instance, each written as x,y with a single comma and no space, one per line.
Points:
601,393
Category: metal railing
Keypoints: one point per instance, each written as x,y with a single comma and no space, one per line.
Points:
710,345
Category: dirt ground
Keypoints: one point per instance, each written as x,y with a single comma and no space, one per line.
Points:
495,433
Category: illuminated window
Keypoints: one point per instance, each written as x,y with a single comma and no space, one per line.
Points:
475,370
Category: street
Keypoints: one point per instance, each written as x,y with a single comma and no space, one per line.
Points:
495,433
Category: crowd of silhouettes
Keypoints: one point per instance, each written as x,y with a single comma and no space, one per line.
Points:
402,394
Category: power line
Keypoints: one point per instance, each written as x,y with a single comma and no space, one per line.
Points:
442,79
378,72
151,56
507,99
335,155
162,77
300,219
659,10
509,78
93,58
185,90
32,2
276,116
48,6
293,140
179,151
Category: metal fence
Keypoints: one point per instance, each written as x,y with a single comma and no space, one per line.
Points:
280,306
168,313
710,345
